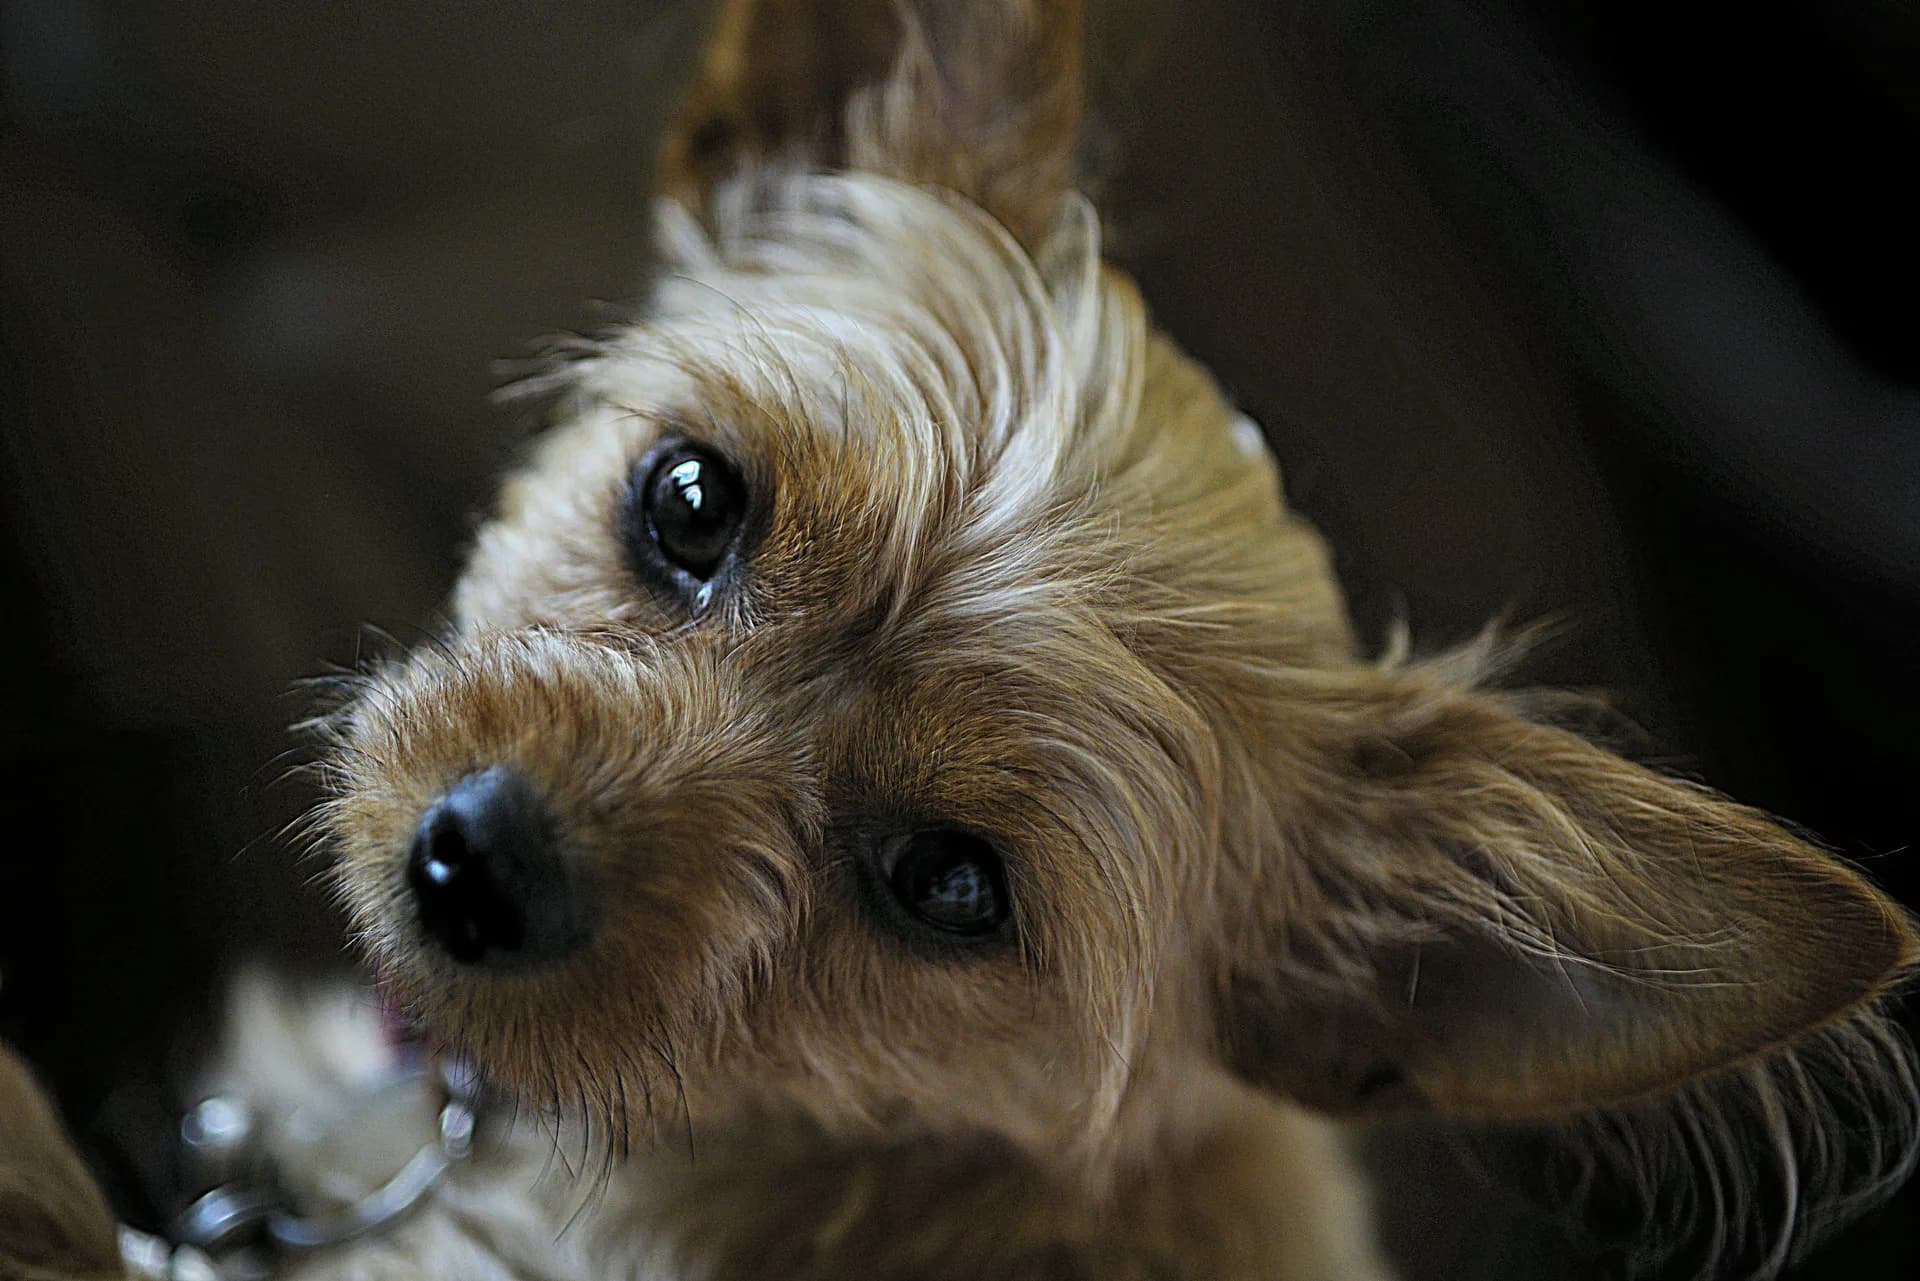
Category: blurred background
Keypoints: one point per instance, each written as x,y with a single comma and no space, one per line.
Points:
1597,311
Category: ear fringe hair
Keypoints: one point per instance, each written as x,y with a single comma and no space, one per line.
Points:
1743,1174
1738,1175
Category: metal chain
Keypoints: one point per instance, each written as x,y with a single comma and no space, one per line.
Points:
236,1230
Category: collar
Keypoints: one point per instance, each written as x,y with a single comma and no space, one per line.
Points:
248,1223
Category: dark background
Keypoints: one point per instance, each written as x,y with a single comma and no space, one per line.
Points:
1598,311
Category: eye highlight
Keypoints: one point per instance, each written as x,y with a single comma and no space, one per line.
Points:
694,503
685,516
949,879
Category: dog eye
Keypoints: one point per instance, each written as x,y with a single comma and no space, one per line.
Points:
693,503
951,880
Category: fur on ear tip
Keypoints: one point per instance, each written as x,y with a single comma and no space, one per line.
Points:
1902,976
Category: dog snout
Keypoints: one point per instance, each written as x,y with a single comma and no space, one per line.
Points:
490,878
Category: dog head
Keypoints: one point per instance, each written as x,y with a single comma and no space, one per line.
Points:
898,692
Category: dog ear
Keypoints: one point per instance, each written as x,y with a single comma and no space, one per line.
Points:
1485,916
53,1221
980,96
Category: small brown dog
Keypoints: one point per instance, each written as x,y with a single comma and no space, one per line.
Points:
895,732
902,787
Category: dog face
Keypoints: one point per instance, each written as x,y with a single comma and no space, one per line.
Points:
852,652
899,694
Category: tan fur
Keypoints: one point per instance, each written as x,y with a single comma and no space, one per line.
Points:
54,1224
536,1201
1018,569
984,103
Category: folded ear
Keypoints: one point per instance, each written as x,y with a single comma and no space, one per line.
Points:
1481,915
981,96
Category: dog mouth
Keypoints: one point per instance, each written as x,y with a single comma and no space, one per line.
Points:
403,1034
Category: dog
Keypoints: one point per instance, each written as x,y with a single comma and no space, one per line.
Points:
902,798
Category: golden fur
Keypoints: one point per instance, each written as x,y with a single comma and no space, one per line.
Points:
1021,573
1022,568
54,1224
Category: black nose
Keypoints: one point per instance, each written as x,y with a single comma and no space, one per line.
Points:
489,878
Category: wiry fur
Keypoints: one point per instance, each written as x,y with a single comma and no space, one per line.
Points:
1747,1171
540,1200
1014,567
1021,574
968,455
